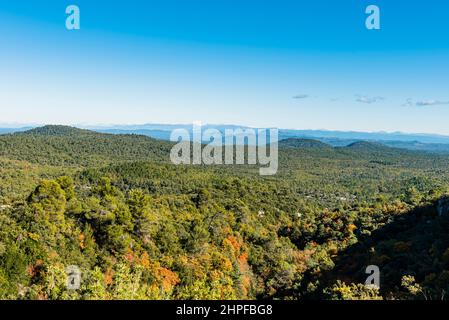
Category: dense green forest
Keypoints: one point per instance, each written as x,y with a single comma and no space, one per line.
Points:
139,227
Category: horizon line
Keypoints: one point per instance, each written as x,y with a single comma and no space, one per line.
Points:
18,125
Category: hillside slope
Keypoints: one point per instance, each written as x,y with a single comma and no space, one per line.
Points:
140,227
68,146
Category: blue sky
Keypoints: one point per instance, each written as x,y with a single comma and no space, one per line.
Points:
290,64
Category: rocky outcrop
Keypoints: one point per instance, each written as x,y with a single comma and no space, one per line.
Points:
443,206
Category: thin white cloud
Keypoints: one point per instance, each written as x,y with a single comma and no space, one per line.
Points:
367,99
424,103
301,96
431,103
408,103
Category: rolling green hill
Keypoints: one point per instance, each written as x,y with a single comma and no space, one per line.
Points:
67,146
140,227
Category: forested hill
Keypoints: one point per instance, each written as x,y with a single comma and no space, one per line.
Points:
26,157
139,227
57,130
68,146
304,143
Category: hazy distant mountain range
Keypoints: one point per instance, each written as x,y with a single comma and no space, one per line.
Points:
422,142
